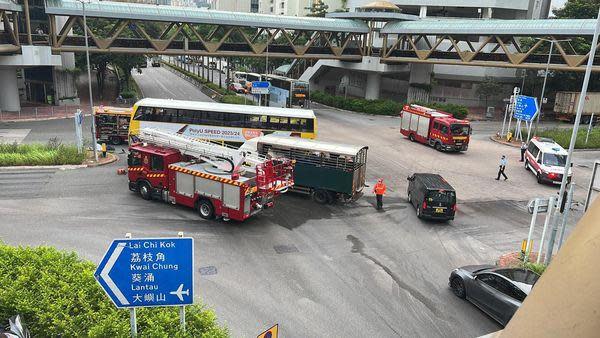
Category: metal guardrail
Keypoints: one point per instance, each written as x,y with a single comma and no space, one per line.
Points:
204,89
45,112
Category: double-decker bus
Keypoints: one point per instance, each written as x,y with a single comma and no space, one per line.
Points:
246,78
287,92
220,122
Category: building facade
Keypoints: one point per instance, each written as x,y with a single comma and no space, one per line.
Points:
424,82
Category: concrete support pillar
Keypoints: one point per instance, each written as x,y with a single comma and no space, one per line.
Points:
487,14
373,84
9,95
420,78
423,12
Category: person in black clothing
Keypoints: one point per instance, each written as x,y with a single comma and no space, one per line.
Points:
523,149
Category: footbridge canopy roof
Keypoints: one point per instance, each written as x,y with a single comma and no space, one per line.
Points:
135,11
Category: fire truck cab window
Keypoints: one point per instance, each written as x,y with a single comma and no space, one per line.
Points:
444,129
134,159
436,126
156,163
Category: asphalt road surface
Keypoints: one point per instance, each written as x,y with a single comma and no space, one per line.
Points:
317,271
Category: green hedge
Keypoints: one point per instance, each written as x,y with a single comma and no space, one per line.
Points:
57,296
563,137
235,99
375,107
457,110
205,82
39,154
382,107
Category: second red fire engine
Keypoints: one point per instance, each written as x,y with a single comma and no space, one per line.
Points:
436,128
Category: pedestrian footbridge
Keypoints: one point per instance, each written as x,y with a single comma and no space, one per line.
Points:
152,29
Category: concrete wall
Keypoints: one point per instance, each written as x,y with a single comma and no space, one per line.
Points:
232,5
566,299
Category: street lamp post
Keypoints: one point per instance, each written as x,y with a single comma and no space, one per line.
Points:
545,79
89,73
582,95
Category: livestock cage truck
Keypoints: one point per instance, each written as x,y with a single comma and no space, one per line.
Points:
218,181
435,128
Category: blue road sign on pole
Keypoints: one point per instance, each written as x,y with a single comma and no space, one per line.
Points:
260,87
526,108
148,272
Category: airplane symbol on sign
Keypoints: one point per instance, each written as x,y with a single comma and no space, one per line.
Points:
179,292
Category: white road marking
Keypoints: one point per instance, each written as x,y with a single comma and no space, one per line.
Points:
13,135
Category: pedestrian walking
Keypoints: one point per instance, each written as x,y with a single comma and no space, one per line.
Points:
523,149
379,190
502,166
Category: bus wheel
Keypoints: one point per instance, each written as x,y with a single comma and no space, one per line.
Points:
321,196
411,137
144,189
206,209
114,140
438,146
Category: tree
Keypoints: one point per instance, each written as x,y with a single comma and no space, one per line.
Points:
318,9
126,62
488,88
578,9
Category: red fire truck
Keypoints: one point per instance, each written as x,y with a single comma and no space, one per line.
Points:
112,124
218,181
436,128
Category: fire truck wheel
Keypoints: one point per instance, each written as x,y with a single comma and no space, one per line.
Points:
321,196
411,137
144,189
206,209
114,140
438,146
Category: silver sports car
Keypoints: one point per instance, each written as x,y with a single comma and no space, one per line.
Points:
499,292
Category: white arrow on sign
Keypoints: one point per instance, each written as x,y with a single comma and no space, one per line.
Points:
104,274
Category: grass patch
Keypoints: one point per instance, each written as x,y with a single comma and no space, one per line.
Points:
56,294
563,137
39,154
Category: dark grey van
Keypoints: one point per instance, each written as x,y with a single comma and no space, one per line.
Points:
432,196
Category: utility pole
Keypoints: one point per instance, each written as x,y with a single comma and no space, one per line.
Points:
89,73
584,88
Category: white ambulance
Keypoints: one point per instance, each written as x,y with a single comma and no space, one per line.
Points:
546,159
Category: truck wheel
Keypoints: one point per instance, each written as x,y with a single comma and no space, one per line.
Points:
114,140
438,146
321,196
411,137
144,189
409,198
526,165
206,209
539,178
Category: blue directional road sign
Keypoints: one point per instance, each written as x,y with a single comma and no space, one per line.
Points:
526,107
260,87
148,272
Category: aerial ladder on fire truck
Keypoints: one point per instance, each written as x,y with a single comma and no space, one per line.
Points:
223,157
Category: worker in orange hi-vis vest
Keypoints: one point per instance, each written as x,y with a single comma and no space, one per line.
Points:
379,190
